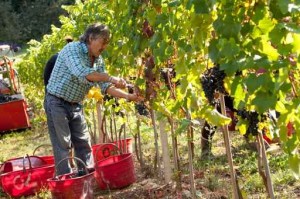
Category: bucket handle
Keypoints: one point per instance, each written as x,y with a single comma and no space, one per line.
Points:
24,167
105,150
40,146
69,158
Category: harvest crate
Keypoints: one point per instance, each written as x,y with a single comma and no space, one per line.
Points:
13,115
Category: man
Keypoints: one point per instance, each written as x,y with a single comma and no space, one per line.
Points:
50,64
78,67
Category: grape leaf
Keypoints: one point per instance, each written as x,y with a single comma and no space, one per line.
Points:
294,162
264,101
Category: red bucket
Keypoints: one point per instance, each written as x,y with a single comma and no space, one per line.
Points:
109,149
25,176
72,185
115,172
48,158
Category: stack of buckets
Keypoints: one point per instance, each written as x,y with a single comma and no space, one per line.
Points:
114,169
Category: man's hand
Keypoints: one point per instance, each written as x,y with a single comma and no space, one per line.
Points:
118,82
134,97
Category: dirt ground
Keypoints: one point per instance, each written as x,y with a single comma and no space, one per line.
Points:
149,187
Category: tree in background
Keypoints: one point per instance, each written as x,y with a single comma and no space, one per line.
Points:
10,28
29,19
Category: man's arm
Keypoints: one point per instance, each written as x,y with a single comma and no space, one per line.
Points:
104,77
98,77
115,92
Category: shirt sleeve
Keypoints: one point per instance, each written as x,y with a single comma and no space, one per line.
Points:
76,63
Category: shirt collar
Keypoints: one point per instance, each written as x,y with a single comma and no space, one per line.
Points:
86,51
84,47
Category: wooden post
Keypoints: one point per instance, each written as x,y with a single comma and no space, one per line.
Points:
165,150
263,160
190,155
100,119
157,166
176,157
236,190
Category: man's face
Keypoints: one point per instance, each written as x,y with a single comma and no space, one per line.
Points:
97,46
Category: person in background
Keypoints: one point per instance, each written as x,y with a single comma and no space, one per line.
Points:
51,62
208,130
78,67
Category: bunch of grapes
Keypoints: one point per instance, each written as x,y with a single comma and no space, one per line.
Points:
150,77
147,29
6,98
141,109
167,74
212,81
252,118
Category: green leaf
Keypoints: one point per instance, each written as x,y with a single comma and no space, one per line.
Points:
214,117
230,68
283,5
150,15
201,6
277,34
259,12
174,3
296,44
294,163
266,25
242,128
264,101
253,83
159,106
228,48
269,50
238,92
183,125
280,107
213,50
227,27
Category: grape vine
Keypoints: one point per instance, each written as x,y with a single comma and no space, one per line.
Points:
240,36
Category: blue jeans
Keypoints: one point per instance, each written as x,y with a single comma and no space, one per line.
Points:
67,127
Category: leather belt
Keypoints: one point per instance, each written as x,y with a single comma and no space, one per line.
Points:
62,99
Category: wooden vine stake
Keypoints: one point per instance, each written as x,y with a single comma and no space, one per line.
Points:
138,143
100,120
174,141
190,155
175,157
263,165
157,165
236,190
165,151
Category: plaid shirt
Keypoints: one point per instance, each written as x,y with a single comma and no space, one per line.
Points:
68,78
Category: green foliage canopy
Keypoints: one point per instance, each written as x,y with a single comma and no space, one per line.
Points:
241,36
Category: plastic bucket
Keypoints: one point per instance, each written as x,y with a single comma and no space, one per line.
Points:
72,185
25,176
108,149
48,158
115,172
